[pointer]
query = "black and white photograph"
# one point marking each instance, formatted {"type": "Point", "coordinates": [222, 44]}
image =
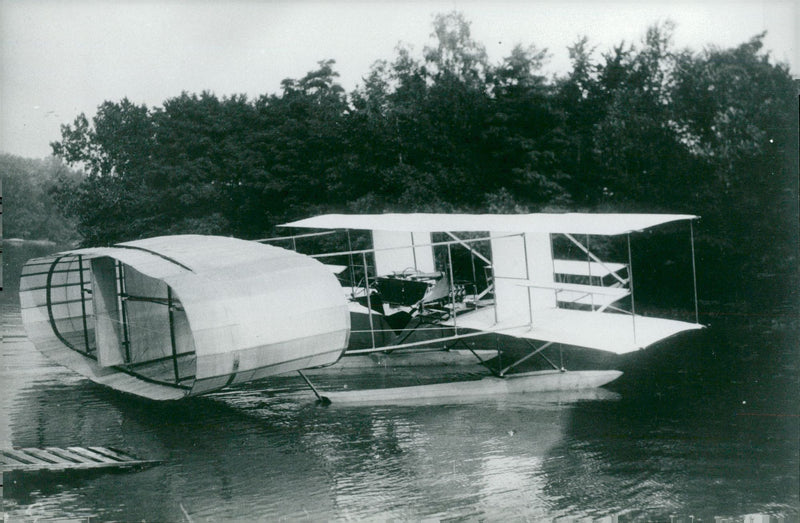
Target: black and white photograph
{"type": "Point", "coordinates": [342, 260]}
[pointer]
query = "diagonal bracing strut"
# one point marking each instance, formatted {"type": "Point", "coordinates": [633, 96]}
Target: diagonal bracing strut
{"type": "Point", "coordinates": [322, 400]}
{"type": "Point", "coordinates": [595, 258]}
{"type": "Point", "coordinates": [528, 356]}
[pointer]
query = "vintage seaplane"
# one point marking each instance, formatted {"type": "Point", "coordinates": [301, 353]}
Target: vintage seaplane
{"type": "Point", "coordinates": [179, 316]}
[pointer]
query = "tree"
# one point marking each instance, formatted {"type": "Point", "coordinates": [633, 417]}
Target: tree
{"type": "Point", "coordinates": [30, 211]}
{"type": "Point", "coordinates": [636, 141]}
{"type": "Point", "coordinates": [525, 132]}
{"type": "Point", "coordinates": [737, 113]}
{"type": "Point", "coordinates": [577, 98]}
{"type": "Point", "coordinates": [454, 54]}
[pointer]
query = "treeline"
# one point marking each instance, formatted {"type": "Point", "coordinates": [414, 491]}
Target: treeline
{"type": "Point", "coordinates": [637, 128]}
{"type": "Point", "coordinates": [29, 210]}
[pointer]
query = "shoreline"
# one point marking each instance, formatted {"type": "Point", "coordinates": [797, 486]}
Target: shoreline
{"type": "Point", "coordinates": [23, 241]}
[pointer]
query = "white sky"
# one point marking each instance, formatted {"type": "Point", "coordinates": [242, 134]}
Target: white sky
{"type": "Point", "coordinates": [61, 58]}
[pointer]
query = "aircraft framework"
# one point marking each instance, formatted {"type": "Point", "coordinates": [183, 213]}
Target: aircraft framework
{"type": "Point", "coordinates": [183, 315]}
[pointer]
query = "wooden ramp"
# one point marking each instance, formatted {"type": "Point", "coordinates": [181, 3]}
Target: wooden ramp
{"type": "Point", "coordinates": [69, 458]}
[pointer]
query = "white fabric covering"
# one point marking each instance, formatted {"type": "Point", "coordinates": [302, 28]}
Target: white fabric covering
{"type": "Point", "coordinates": [574, 223]}
{"type": "Point", "coordinates": [594, 330]}
{"type": "Point", "coordinates": [583, 268]}
{"type": "Point", "coordinates": [397, 251]}
{"type": "Point", "coordinates": [252, 309]}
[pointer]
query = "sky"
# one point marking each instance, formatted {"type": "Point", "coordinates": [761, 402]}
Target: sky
{"type": "Point", "coordinates": [62, 58]}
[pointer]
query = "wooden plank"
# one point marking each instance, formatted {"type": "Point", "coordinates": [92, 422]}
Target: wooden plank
{"type": "Point", "coordinates": [53, 458]}
{"type": "Point", "coordinates": [47, 456]}
{"type": "Point", "coordinates": [92, 455]}
{"type": "Point", "coordinates": [17, 456]}
{"type": "Point", "coordinates": [112, 453]}
{"type": "Point", "coordinates": [64, 453]}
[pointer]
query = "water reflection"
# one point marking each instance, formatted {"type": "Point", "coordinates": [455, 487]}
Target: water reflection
{"type": "Point", "coordinates": [253, 454]}
{"type": "Point", "coordinates": [661, 458]}
{"type": "Point", "coordinates": [216, 460]}
{"type": "Point", "coordinates": [249, 454]}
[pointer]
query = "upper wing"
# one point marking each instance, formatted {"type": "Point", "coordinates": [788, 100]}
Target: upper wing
{"type": "Point", "coordinates": [575, 223]}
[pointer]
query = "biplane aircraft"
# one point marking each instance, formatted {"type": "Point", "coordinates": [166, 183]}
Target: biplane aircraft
{"type": "Point", "coordinates": [177, 316]}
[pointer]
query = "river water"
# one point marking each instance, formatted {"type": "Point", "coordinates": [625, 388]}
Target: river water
{"type": "Point", "coordinates": [702, 427]}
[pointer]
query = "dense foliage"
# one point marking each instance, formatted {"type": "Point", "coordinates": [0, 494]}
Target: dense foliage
{"type": "Point", "coordinates": [29, 210]}
{"type": "Point", "coordinates": [638, 128]}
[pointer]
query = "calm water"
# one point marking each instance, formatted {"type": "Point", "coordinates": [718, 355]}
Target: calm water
{"type": "Point", "coordinates": [704, 427]}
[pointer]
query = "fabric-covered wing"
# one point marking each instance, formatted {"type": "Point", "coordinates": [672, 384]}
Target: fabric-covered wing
{"type": "Point", "coordinates": [617, 333]}
{"type": "Point", "coordinates": [574, 223]}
